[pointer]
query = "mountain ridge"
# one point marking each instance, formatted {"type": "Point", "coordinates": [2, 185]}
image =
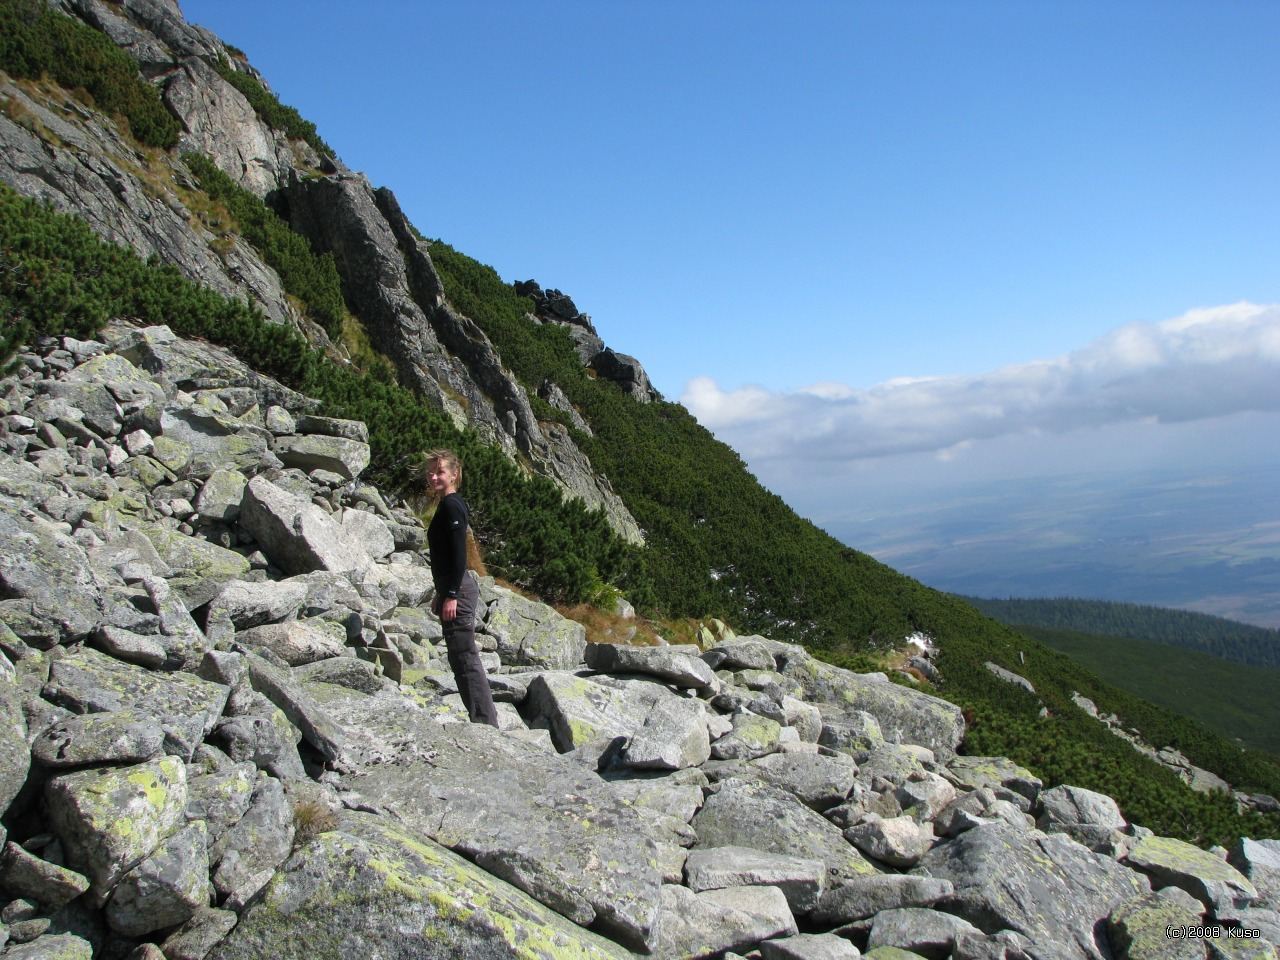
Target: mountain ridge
{"type": "Point", "coordinates": [1218, 636]}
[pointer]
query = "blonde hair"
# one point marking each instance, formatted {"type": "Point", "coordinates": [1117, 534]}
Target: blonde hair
{"type": "Point", "coordinates": [446, 457]}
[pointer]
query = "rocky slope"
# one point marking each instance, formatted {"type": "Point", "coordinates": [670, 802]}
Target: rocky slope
{"type": "Point", "coordinates": [53, 146]}
{"type": "Point", "coordinates": [227, 730]}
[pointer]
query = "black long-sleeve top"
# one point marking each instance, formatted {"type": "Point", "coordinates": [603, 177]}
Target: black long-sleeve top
{"type": "Point", "coordinates": [447, 541]}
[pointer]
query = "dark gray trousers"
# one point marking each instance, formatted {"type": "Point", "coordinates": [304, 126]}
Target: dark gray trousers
{"type": "Point", "coordinates": [464, 656]}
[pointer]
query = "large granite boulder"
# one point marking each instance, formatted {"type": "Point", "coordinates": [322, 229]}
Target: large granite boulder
{"type": "Point", "coordinates": [741, 814]}
{"type": "Point", "coordinates": [1044, 886]}
{"type": "Point", "coordinates": [541, 823]}
{"type": "Point", "coordinates": [904, 715]}
{"type": "Point", "coordinates": [372, 888]}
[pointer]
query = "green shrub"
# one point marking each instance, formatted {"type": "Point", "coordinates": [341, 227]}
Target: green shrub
{"type": "Point", "coordinates": [309, 276]}
{"type": "Point", "coordinates": [36, 40]}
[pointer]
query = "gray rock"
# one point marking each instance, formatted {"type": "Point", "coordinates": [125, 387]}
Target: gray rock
{"type": "Point", "coordinates": [580, 710]}
{"type": "Point", "coordinates": [801, 881]}
{"type": "Point", "coordinates": [892, 763]}
{"type": "Point", "coordinates": [247, 855]}
{"type": "Point", "coordinates": [221, 797]}
{"type": "Point", "coordinates": [52, 571]}
{"type": "Point", "coordinates": [904, 715]}
{"type": "Point", "coordinates": [122, 644]}
{"type": "Point", "coordinates": [387, 891]}
{"type": "Point", "coordinates": [166, 889]}
{"type": "Point", "coordinates": [15, 757]}
{"type": "Point", "coordinates": [810, 946]}
{"type": "Point", "coordinates": [349, 672]}
{"type": "Point", "coordinates": [1138, 928]}
{"type": "Point", "coordinates": [745, 653]}
{"type": "Point", "coordinates": [1045, 886]}
{"type": "Point", "coordinates": [819, 782]}
{"type": "Point", "coordinates": [672, 737]}
{"type": "Point", "coordinates": [308, 452]}
{"type": "Point", "coordinates": [625, 371]}
{"type": "Point", "coordinates": [858, 898]}
{"type": "Point", "coordinates": [924, 796]}
{"type": "Point", "coordinates": [1008, 676]}
{"type": "Point", "coordinates": [897, 841]}
{"type": "Point", "coordinates": [1211, 880]}
{"type": "Point", "coordinates": [221, 495]}
{"type": "Point", "coordinates": [928, 933]}
{"type": "Point", "coordinates": [248, 604]}
{"type": "Point", "coordinates": [298, 642]}
{"type": "Point", "coordinates": [299, 537]}
{"type": "Point", "coordinates": [680, 670]}
{"type": "Point", "coordinates": [264, 737]}
{"type": "Point", "coordinates": [198, 936]}
{"type": "Point", "coordinates": [199, 568]}
{"type": "Point", "coordinates": [49, 884]}
{"type": "Point", "coordinates": [806, 718]}
{"type": "Point", "coordinates": [60, 946]}
{"type": "Point", "coordinates": [1090, 818]}
{"type": "Point", "coordinates": [532, 634]}
{"type": "Point", "coordinates": [129, 546]}
{"type": "Point", "coordinates": [540, 822]}
{"type": "Point", "coordinates": [279, 686]}
{"type": "Point", "coordinates": [185, 707]}
{"type": "Point", "coordinates": [995, 773]}
{"type": "Point", "coordinates": [856, 733]}
{"type": "Point", "coordinates": [1259, 860]}
{"type": "Point", "coordinates": [371, 533]}
{"type": "Point", "coordinates": [210, 441]}
{"type": "Point", "coordinates": [86, 810]}
{"type": "Point", "coordinates": [94, 738]}
{"type": "Point", "coordinates": [751, 815]}
{"type": "Point", "coordinates": [695, 925]}
{"type": "Point", "coordinates": [752, 736]}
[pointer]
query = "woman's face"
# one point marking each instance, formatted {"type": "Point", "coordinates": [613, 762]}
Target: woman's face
{"type": "Point", "coordinates": [441, 479]}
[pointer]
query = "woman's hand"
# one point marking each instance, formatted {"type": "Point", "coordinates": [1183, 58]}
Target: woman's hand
{"type": "Point", "coordinates": [449, 609]}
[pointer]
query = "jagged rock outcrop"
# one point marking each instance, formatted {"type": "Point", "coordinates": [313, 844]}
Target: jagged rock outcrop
{"type": "Point", "coordinates": [53, 146]}
{"type": "Point", "coordinates": [231, 732]}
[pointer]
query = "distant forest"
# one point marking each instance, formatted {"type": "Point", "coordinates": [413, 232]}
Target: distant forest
{"type": "Point", "coordinates": [1216, 636]}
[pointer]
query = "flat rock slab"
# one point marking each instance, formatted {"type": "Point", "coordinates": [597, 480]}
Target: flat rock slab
{"type": "Point", "coordinates": [542, 823]}
{"type": "Point", "coordinates": [764, 818]}
{"type": "Point", "coordinates": [582, 710]}
{"type": "Point", "coordinates": [696, 925]}
{"type": "Point", "coordinates": [371, 889]}
{"type": "Point", "coordinates": [678, 669]}
{"type": "Point", "coordinates": [801, 881]}
{"type": "Point", "coordinates": [1046, 887]}
{"type": "Point", "coordinates": [1208, 878]}
{"type": "Point", "coordinates": [905, 715]}
{"type": "Point", "coordinates": [185, 707]}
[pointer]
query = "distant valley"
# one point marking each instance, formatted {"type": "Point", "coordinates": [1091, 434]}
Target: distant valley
{"type": "Point", "coordinates": [1209, 544]}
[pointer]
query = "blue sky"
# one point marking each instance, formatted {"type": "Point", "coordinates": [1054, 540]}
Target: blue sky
{"type": "Point", "coordinates": [891, 252]}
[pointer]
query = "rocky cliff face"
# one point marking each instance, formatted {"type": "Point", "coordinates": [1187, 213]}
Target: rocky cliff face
{"type": "Point", "coordinates": [228, 729]}
{"type": "Point", "coordinates": [53, 146]}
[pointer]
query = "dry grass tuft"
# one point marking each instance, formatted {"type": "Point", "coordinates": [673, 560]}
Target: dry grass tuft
{"type": "Point", "coordinates": [310, 819]}
{"type": "Point", "coordinates": [605, 626]}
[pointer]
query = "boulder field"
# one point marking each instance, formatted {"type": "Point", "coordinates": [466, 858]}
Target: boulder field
{"type": "Point", "coordinates": [228, 730]}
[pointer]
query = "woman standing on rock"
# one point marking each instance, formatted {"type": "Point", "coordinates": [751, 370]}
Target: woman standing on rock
{"type": "Point", "coordinates": [456, 594]}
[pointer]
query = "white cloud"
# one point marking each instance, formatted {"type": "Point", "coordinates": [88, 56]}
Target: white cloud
{"type": "Point", "coordinates": [1207, 363]}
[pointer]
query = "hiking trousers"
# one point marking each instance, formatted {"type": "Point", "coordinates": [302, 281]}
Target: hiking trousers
{"type": "Point", "coordinates": [464, 656]}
